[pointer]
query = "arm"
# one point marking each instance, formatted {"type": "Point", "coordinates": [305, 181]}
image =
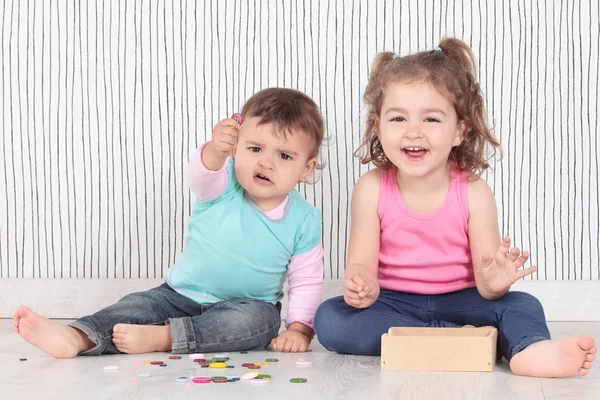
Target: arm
{"type": "Point", "coordinates": [206, 184]}
{"type": "Point", "coordinates": [361, 287]}
{"type": "Point", "coordinates": [493, 276]}
{"type": "Point", "coordinates": [207, 176]}
{"type": "Point", "coordinates": [305, 280]}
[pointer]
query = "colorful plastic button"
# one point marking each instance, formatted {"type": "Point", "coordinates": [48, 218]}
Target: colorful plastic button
{"type": "Point", "coordinates": [201, 379]}
{"type": "Point", "coordinates": [238, 117]}
{"type": "Point", "coordinates": [248, 375]}
{"type": "Point", "coordinates": [156, 362]}
{"type": "Point", "coordinates": [144, 375]}
{"type": "Point", "coordinates": [271, 360]}
{"type": "Point", "coordinates": [111, 368]}
{"type": "Point", "coordinates": [181, 379]}
{"type": "Point", "coordinates": [174, 358]}
{"type": "Point", "coordinates": [195, 355]}
{"type": "Point", "coordinates": [217, 365]}
{"type": "Point", "coordinates": [298, 380]}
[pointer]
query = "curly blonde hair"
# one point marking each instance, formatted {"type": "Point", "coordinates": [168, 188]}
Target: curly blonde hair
{"type": "Point", "coordinates": [451, 70]}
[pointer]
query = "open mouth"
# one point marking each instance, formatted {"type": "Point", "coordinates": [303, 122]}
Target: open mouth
{"type": "Point", "coordinates": [262, 178]}
{"type": "Point", "coordinates": [415, 153]}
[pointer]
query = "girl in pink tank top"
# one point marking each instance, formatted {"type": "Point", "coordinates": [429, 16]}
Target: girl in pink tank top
{"type": "Point", "coordinates": [425, 248]}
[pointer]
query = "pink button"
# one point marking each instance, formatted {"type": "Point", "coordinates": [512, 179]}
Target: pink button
{"type": "Point", "coordinates": [238, 118]}
{"type": "Point", "coordinates": [201, 379]}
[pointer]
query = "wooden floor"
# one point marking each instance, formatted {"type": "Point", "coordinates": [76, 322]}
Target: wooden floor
{"type": "Point", "coordinates": [331, 376]}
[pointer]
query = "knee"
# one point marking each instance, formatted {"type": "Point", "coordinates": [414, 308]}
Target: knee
{"type": "Point", "coordinates": [331, 322]}
{"type": "Point", "coordinates": [523, 301]}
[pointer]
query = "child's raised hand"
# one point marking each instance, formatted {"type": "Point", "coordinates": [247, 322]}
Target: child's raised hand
{"type": "Point", "coordinates": [291, 341]}
{"type": "Point", "coordinates": [360, 291]}
{"type": "Point", "coordinates": [504, 269]}
{"type": "Point", "coordinates": [224, 136]}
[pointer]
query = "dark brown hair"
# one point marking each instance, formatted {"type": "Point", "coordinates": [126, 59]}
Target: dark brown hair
{"type": "Point", "coordinates": [290, 110]}
{"type": "Point", "coordinates": [451, 70]}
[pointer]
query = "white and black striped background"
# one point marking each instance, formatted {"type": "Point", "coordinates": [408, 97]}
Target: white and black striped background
{"type": "Point", "coordinates": [103, 102]}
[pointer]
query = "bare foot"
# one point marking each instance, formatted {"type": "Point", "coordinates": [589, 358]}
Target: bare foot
{"type": "Point", "coordinates": [53, 338]}
{"type": "Point", "coordinates": [564, 358]}
{"type": "Point", "coordinates": [136, 339]}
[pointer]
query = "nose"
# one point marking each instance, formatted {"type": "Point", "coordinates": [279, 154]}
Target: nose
{"type": "Point", "coordinates": [265, 162]}
{"type": "Point", "coordinates": [413, 131]}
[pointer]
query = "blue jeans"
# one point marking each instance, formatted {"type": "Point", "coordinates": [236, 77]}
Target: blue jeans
{"type": "Point", "coordinates": [234, 325]}
{"type": "Point", "coordinates": [518, 316]}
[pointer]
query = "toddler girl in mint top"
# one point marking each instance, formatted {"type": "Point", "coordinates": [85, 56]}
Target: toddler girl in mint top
{"type": "Point", "coordinates": [249, 231]}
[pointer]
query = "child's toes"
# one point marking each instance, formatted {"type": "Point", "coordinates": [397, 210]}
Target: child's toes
{"type": "Point", "coordinates": [587, 365]}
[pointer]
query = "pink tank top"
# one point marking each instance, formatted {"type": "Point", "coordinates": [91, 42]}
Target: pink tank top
{"type": "Point", "coordinates": [424, 253]}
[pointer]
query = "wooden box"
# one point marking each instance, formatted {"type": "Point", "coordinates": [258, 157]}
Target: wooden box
{"type": "Point", "coordinates": [439, 349]}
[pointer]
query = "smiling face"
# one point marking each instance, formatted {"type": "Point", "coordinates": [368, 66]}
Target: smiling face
{"type": "Point", "coordinates": [417, 128]}
{"type": "Point", "coordinates": [269, 164]}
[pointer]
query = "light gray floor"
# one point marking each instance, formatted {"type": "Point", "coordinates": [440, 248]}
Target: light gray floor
{"type": "Point", "coordinates": [331, 376]}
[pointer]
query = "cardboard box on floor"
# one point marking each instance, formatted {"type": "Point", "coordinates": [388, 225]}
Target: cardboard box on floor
{"type": "Point", "coordinates": [439, 349]}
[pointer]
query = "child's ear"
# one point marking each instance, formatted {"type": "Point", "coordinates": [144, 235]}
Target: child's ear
{"type": "Point", "coordinates": [310, 167]}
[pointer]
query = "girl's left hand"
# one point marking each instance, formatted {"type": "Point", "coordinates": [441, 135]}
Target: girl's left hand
{"type": "Point", "coordinates": [291, 341]}
{"type": "Point", "coordinates": [500, 272]}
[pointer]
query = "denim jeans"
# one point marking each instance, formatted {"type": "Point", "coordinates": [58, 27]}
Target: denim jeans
{"type": "Point", "coordinates": [234, 325]}
{"type": "Point", "coordinates": [518, 316]}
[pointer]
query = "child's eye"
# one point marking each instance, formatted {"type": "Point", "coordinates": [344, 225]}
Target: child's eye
{"type": "Point", "coordinates": [254, 149]}
{"type": "Point", "coordinates": [398, 119]}
{"type": "Point", "coordinates": [285, 157]}
{"type": "Point", "coordinates": [430, 119]}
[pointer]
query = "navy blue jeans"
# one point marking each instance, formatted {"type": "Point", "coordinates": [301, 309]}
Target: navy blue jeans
{"type": "Point", "coordinates": [344, 329]}
{"type": "Point", "coordinates": [234, 325]}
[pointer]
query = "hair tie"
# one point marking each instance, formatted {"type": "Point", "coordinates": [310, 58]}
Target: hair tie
{"type": "Point", "coordinates": [438, 49]}
{"type": "Point", "coordinates": [395, 56]}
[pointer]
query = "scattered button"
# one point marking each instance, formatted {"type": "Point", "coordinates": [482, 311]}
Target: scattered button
{"type": "Point", "coordinates": [201, 379]}
{"type": "Point", "coordinates": [249, 375]}
{"type": "Point", "coordinates": [298, 380]}
{"type": "Point", "coordinates": [181, 379]}
{"type": "Point", "coordinates": [144, 375]}
{"type": "Point", "coordinates": [111, 368]}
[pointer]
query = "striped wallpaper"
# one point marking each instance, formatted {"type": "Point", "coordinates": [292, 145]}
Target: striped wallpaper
{"type": "Point", "coordinates": [103, 102]}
